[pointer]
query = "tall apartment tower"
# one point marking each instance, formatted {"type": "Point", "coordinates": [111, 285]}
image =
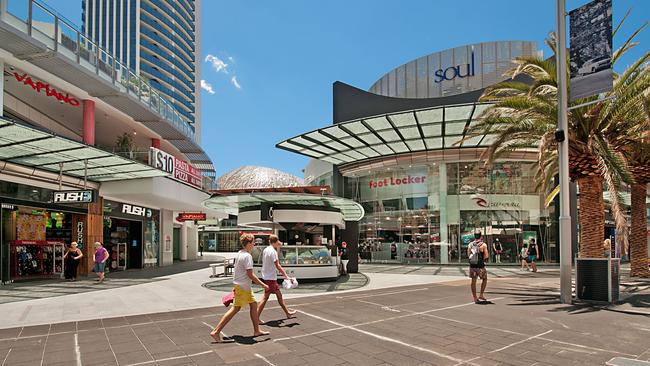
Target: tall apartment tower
{"type": "Point", "coordinates": [159, 40]}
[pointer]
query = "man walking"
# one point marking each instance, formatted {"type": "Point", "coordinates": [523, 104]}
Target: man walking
{"type": "Point", "coordinates": [533, 254]}
{"type": "Point", "coordinates": [270, 268]}
{"type": "Point", "coordinates": [477, 252]}
{"type": "Point", "coordinates": [243, 278]}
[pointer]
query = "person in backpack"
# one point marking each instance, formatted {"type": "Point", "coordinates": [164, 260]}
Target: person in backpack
{"type": "Point", "coordinates": [498, 249]}
{"type": "Point", "coordinates": [477, 252]}
{"type": "Point", "coordinates": [533, 254]}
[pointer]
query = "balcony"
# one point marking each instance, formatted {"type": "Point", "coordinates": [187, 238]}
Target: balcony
{"type": "Point", "coordinates": [35, 33]}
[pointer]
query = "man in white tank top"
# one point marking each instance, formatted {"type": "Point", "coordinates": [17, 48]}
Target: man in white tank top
{"type": "Point", "coordinates": [270, 268]}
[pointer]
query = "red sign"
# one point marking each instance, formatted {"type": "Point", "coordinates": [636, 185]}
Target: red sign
{"type": "Point", "coordinates": [393, 181]}
{"type": "Point", "coordinates": [187, 173]}
{"type": "Point", "coordinates": [40, 86]}
{"type": "Point", "coordinates": [191, 216]}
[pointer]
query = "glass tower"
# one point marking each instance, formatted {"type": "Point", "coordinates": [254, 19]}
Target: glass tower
{"type": "Point", "coordinates": [158, 39]}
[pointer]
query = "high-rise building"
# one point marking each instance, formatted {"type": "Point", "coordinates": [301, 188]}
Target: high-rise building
{"type": "Point", "coordinates": [158, 39]}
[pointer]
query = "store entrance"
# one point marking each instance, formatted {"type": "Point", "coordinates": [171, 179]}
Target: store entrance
{"type": "Point", "coordinates": [177, 243]}
{"type": "Point", "coordinates": [123, 240]}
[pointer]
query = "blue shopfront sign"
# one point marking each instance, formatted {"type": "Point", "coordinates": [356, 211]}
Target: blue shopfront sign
{"type": "Point", "coordinates": [458, 71]}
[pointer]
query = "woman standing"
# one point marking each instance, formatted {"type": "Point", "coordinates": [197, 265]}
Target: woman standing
{"type": "Point", "coordinates": [72, 257]}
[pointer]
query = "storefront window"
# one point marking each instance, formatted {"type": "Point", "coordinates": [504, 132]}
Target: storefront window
{"type": "Point", "coordinates": [428, 213]}
{"type": "Point", "coordinates": [131, 235]}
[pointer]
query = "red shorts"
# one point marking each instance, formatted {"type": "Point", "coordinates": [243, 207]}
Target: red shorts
{"type": "Point", "coordinates": [273, 286]}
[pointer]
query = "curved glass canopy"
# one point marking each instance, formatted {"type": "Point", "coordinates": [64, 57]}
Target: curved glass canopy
{"type": "Point", "coordinates": [351, 210]}
{"type": "Point", "coordinates": [390, 134]}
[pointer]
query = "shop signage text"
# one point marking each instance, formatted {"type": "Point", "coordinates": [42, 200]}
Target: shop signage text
{"type": "Point", "coordinates": [80, 233]}
{"type": "Point", "coordinates": [40, 86]}
{"type": "Point", "coordinates": [179, 170]}
{"type": "Point", "coordinates": [452, 72]}
{"type": "Point", "coordinates": [393, 181]}
{"type": "Point", "coordinates": [86, 196]}
{"type": "Point", "coordinates": [135, 210]}
{"type": "Point", "coordinates": [191, 216]}
{"type": "Point", "coordinates": [481, 202]}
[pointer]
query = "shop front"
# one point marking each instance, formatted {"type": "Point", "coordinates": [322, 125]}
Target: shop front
{"type": "Point", "coordinates": [427, 213]}
{"type": "Point", "coordinates": [131, 235]}
{"type": "Point", "coordinates": [35, 232]}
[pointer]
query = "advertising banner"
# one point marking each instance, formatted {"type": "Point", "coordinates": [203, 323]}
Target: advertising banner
{"type": "Point", "coordinates": [179, 170]}
{"type": "Point", "coordinates": [590, 37]}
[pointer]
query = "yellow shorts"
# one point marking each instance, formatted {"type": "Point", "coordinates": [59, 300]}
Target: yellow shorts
{"type": "Point", "coordinates": [243, 297]}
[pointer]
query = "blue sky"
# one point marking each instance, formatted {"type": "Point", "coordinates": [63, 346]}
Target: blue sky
{"type": "Point", "coordinates": [285, 55]}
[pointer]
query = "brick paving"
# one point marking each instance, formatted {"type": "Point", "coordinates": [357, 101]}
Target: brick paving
{"type": "Point", "coordinates": [431, 324]}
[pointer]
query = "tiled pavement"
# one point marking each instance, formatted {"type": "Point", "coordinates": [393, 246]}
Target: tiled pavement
{"type": "Point", "coordinates": [349, 282]}
{"type": "Point", "coordinates": [430, 324]}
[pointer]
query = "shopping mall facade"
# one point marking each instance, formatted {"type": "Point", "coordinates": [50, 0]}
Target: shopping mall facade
{"type": "Point", "coordinates": [400, 150]}
{"type": "Point", "coordinates": [88, 152]}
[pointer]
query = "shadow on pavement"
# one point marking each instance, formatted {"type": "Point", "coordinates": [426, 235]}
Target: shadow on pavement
{"type": "Point", "coordinates": [248, 340]}
{"type": "Point", "coordinates": [280, 323]}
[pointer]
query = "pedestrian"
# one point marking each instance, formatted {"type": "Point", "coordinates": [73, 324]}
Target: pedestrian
{"type": "Point", "coordinates": [477, 252]}
{"type": "Point", "coordinates": [533, 254]}
{"type": "Point", "coordinates": [344, 258]}
{"type": "Point", "coordinates": [101, 256]}
{"type": "Point", "coordinates": [243, 279]}
{"type": "Point", "coordinates": [201, 249]}
{"type": "Point", "coordinates": [523, 257]}
{"type": "Point", "coordinates": [607, 247]}
{"type": "Point", "coordinates": [498, 249]}
{"type": "Point", "coordinates": [72, 257]}
{"type": "Point", "coordinates": [270, 268]}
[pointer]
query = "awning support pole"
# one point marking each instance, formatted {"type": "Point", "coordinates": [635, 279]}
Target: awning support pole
{"type": "Point", "coordinates": [85, 172]}
{"type": "Point", "coordinates": [60, 174]}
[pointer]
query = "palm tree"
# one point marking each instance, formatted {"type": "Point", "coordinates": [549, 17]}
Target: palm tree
{"type": "Point", "coordinates": [524, 115]}
{"type": "Point", "coordinates": [639, 157]}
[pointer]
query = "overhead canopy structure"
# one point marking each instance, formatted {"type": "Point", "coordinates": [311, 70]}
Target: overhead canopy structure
{"type": "Point", "coordinates": [435, 128]}
{"type": "Point", "coordinates": [31, 147]}
{"type": "Point", "coordinates": [232, 203]}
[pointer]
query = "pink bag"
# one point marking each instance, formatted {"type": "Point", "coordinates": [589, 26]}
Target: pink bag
{"type": "Point", "coordinates": [228, 298]}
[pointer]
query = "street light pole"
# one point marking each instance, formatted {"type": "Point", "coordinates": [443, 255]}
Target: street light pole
{"type": "Point", "coordinates": [563, 153]}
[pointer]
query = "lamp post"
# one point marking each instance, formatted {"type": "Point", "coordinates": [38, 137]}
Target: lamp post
{"type": "Point", "coordinates": [563, 153]}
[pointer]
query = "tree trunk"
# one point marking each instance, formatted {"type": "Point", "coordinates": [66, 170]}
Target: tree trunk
{"type": "Point", "coordinates": [638, 238]}
{"type": "Point", "coordinates": [592, 216]}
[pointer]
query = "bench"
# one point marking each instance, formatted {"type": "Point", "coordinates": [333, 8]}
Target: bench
{"type": "Point", "coordinates": [228, 267]}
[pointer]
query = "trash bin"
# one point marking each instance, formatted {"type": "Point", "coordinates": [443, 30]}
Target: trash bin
{"type": "Point", "coordinates": [597, 279]}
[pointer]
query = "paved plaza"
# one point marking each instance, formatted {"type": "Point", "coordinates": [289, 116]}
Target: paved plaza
{"type": "Point", "coordinates": [432, 323]}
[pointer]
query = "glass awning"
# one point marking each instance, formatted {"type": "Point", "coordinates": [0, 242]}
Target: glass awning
{"type": "Point", "coordinates": [31, 147]}
{"type": "Point", "coordinates": [435, 128]}
{"type": "Point", "coordinates": [351, 210]}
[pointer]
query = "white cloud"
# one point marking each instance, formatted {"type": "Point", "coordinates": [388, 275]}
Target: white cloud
{"type": "Point", "coordinates": [207, 86]}
{"type": "Point", "coordinates": [232, 60]}
{"type": "Point", "coordinates": [217, 63]}
{"type": "Point", "coordinates": [234, 82]}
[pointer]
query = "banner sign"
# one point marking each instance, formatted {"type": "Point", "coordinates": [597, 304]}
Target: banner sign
{"type": "Point", "coordinates": [191, 216]}
{"type": "Point", "coordinates": [85, 196]}
{"type": "Point", "coordinates": [590, 37]}
{"type": "Point", "coordinates": [179, 170]}
{"type": "Point", "coordinates": [47, 89]}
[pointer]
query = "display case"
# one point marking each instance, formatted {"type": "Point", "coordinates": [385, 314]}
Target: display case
{"type": "Point", "coordinates": [301, 261]}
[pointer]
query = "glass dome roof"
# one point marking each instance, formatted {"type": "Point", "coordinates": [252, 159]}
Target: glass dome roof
{"type": "Point", "coordinates": [247, 177]}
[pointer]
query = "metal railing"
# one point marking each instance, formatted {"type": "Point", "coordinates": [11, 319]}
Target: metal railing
{"type": "Point", "coordinates": [44, 24]}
